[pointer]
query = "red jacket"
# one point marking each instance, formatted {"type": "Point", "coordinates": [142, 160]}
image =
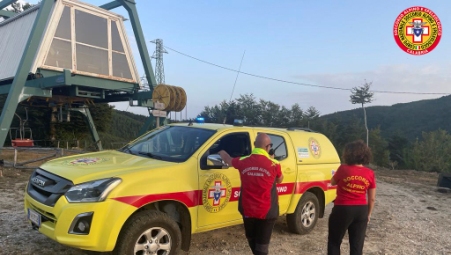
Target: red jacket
{"type": "Point", "coordinates": [258, 196]}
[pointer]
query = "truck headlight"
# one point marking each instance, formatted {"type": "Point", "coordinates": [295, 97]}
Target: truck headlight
{"type": "Point", "coordinates": [95, 191]}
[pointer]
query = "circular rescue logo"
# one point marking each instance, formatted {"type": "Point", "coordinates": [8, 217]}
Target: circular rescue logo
{"type": "Point", "coordinates": [216, 192]}
{"type": "Point", "coordinates": [417, 30]}
{"type": "Point", "coordinates": [85, 161]}
{"type": "Point", "coordinates": [314, 147]}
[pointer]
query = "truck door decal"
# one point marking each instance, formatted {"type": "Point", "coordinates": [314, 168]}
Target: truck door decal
{"type": "Point", "coordinates": [216, 192]}
{"type": "Point", "coordinates": [315, 148]}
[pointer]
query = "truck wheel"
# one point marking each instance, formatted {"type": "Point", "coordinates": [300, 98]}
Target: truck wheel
{"type": "Point", "coordinates": [149, 232]}
{"type": "Point", "coordinates": [304, 218]}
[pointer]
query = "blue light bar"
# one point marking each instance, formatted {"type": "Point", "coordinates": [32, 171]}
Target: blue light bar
{"type": "Point", "coordinates": [200, 120]}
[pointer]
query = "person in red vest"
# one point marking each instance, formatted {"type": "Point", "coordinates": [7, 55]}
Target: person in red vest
{"type": "Point", "coordinates": [352, 210]}
{"type": "Point", "coordinates": [258, 202]}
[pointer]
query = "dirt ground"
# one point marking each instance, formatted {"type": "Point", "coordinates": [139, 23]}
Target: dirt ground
{"type": "Point", "coordinates": [410, 217]}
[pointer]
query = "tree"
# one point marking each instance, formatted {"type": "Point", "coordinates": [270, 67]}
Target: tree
{"type": "Point", "coordinates": [398, 146]}
{"type": "Point", "coordinates": [268, 116]}
{"type": "Point", "coordinates": [431, 154]}
{"type": "Point", "coordinates": [379, 148]}
{"type": "Point", "coordinates": [311, 114]}
{"type": "Point", "coordinates": [297, 116]}
{"type": "Point", "coordinates": [249, 109]}
{"type": "Point", "coordinates": [362, 95]}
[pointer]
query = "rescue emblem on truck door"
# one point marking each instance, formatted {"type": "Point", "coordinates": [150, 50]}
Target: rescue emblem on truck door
{"type": "Point", "coordinates": [314, 147]}
{"type": "Point", "coordinates": [216, 192]}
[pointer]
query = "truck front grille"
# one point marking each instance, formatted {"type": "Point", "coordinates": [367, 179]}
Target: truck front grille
{"type": "Point", "coordinates": [47, 188]}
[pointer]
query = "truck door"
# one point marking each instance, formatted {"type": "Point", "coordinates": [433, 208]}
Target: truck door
{"type": "Point", "coordinates": [220, 186]}
{"type": "Point", "coordinates": [284, 154]}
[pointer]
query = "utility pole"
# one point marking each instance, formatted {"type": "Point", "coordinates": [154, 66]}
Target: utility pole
{"type": "Point", "coordinates": [158, 56]}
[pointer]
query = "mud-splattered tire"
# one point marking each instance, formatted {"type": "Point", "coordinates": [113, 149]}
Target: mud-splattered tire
{"type": "Point", "coordinates": [305, 217]}
{"type": "Point", "coordinates": [153, 232]}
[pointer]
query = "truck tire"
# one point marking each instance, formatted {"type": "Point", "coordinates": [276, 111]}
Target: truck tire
{"type": "Point", "coordinates": [149, 232]}
{"type": "Point", "coordinates": [304, 218]}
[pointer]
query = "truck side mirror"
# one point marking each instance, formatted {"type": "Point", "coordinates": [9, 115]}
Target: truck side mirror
{"type": "Point", "coordinates": [215, 161]}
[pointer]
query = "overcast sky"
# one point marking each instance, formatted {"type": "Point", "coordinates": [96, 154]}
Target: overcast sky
{"type": "Point", "coordinates": [330, 43]}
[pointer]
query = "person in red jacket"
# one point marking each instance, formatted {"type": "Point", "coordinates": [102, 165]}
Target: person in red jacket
{"type": "Point", "coordinates": [352, 210]}
{"type": "Point", "coordinates": [258, 202]}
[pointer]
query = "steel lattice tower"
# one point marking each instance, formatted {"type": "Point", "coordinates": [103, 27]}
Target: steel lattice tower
{"type": "Point", "coordinates": [158, 56]}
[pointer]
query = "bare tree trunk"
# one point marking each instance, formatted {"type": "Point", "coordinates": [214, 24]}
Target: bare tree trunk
{"type": "Point", "coordinates": [366, 126]}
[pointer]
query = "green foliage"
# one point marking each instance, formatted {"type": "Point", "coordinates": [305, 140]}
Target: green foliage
{"type": "Point", "coordinates": [125, 126]}
{"type": "Point", "coordinates": [410, 119]}
{"type": "Point", "coordinates": [259, 113]}
{"type": "Point", "coordinates": [340, 131]}
{"type": "Point", "coordinates": [362, 95]}
{"type": "Point", "coordinates": [77, 128]}
{"type": "Point", "coordinates": [379, 148]}
{"type": "Point", "coordinates": [398, 147]}
{"type": "Point", "coordinates": [431, 154]}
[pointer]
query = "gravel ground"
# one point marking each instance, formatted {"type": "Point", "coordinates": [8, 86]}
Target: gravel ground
{"type": "Point", "coordinates": [410, 217]}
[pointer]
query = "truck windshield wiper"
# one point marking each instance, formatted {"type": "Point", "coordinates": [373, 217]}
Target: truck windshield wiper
{"type": "Point", "coordinates": [150, 155]}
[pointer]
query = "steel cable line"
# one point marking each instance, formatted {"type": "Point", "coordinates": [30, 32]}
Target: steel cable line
{"type": "Point", "coordinates": [301, 83]}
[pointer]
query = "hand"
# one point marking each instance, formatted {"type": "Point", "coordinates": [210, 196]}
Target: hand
{"type": "Point", "coordinates": [222, 153]}
{"type": "Point", "coordinates": [369, 217]}
{"type": "Point", "coordinates": [225, 157]}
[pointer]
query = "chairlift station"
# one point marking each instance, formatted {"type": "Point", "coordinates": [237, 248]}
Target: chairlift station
{"type": "Point", "coordinates": [75, 54]}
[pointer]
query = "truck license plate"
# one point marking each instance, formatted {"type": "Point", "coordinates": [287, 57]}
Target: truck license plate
{"type": "Point", "coordinates": [34, 217]}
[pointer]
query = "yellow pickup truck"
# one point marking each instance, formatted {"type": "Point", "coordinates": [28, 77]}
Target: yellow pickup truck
{"type": "Point", "coordinates": [150, 196]}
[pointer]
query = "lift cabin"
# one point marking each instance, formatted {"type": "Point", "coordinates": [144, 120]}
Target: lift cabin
{"type": "Point", "coordinates": [69, 53]}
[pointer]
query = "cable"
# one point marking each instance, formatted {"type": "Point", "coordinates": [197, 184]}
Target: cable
{"type": "Point", "coordinates": [239, 69]}
{"type": "Point", "coordinates": [301, 83]}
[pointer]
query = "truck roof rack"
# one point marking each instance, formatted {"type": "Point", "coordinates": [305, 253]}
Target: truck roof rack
{"type": "Point", "coordinates": [300, 128]}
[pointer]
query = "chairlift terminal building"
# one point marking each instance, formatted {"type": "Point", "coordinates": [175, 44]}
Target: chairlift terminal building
{"type": "Point", "coordinates": [73, 53]}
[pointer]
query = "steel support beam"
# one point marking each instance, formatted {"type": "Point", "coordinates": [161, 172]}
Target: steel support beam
{"type": "Point", "coordinates": [6, 14]}
{"type": "Point", "coordinates": [68, 79]}
{"type": "Point", "coordinates": [92, 127]}
{"type": "Point", "coordinates": [150, 122]}
{"type": "Point", "coordinates": [5, 3]}
{"type": "Point", "coordinates": [130, 6]}
{"type": "Point", "coordinates": [111, 5]}
{"type": "Point", "coordinates": [16, 91]}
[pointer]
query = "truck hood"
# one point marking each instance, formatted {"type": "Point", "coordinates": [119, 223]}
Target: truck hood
{"type": "Point", "coordinates": [98, 165]}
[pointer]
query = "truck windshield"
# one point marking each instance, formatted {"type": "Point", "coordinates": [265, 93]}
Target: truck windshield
{"type": "Point", "coordinates": [170, 143]}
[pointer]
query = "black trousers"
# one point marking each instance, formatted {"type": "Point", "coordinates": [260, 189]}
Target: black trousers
{"type": "Point", "coordinates": [354, 219]}
{"type": "Point", "coordinates": [258, 234]}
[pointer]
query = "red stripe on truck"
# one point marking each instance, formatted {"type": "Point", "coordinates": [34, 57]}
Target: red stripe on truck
{"type": "Point", "coordinates": [189, 198]}
{"type": "Point", "coordinates": [194, 197]}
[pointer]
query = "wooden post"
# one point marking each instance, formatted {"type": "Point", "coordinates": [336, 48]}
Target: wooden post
{"type": "Point", "coordinates": [15, 157]}
{"type": "Point", "coordinates": [1, 167]}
